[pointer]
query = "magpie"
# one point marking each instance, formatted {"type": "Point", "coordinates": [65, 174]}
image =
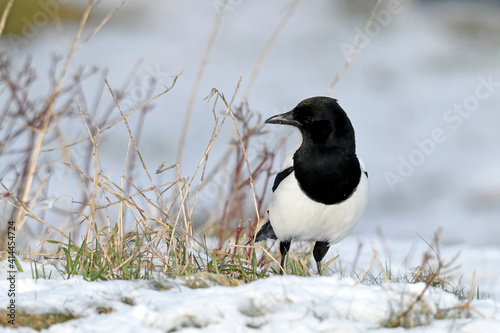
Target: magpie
{"type": "Point", "coordinates": [322, 190]}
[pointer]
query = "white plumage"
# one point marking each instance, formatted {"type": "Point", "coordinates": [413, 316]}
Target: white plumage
{"type": "Point", "coordinates": [294, 216]}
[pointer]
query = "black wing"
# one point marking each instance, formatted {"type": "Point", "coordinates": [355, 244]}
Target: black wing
{"type": "Point", "coordinates": [265, 232]}
{"type": "Point", "coordinates": [280, 176]}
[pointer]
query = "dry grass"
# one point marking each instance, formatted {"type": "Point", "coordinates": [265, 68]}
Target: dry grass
{"type": "Point", "coordinates": [5, 14]}
{"type": "Point", "coordinates": [434, 272]}
{"type": "Point", "coordinates": [144, 230]}
{"type": "Point", "coordinates": [124, 228]}
{"type": "Point", "coordinates": [117, 228]}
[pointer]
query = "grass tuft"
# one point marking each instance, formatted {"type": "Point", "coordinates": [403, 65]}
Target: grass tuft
{"type": "Point", "coordinates": [415, 310]}
{"type": "Point", "coordinates": [104, 310]}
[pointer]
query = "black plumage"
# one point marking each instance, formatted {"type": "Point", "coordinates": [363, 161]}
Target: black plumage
{"type": "Point", "coordinates": [322, 194]}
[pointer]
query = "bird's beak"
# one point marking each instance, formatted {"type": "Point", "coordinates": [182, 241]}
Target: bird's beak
{"type": "Point", "coordinates": [284, 119]}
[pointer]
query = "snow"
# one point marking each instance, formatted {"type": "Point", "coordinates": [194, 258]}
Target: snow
{"type": "Point", "coordinates": [298, 304]}
{"type": "Point", "coordinates": [395, 92]}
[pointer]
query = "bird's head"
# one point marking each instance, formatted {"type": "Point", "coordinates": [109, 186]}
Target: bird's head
{"type": "Point", "coordinates": [321, 120]}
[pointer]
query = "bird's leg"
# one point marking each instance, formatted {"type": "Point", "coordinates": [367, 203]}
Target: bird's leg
{"type": "Point", "coordinates": [319, 252]}
{"type": "Point", "coordinates": [284, 247]}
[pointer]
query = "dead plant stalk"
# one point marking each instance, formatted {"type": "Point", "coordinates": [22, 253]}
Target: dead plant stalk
{"type": "Point", "coordinates": [42, 131]}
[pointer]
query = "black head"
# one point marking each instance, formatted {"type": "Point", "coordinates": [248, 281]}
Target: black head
{"type": "Point", "coordinates": [322, 121]}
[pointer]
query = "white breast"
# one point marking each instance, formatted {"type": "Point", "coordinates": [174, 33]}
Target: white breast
{"type": "Point", "coordinates": [294, 216]}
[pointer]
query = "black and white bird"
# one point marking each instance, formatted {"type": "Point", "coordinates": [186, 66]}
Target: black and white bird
{"type": "Point", "coordinates": [322, 190]}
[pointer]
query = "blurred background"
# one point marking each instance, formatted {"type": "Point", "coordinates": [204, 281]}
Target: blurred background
{"type": "Point", "coordinates": [423, 93]}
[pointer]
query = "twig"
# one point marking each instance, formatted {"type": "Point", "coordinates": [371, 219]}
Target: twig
{"type": "Point", "coordinates": [246, 158]}
{"type": "Point", "coordinates": [5, 14]}
{"type": "Point", "coordinates": [354, 51]}
{"type": "Point", "coordinates": [428, 283]}
{"type": "Point", "coordinates": [95, 180]}
{"type": "Point", "coordinates": [199, 76]}
{"type": "Point", "coordinates": [48, 112]}
{"type": "Point", "coordinates": [100, 25]}
{"type": "Point", "coordinates": [133, 141]}
{"type": "Point", "coordinates": [167, 89]}
{"type": "Point", "coordinates": [268, 46]}
{"type": "Point", "coordinates": [21, 206]}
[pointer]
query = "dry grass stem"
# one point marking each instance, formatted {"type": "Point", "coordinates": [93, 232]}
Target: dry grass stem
{"type": "Point", "coordinates": [268, 46]}
{"type": "Point", "coordinates": [100, 25]}
{"type": "Point", "coordinates": [5, 14]}
{"type": "Point", "coordinates": [355, 50]}
{"type": "Point", "coordinates": [196, 86]}
{"type": "Point", "coordinates": [44, 127]}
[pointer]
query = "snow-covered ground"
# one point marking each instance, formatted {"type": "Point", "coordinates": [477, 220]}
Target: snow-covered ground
{"type": "Point", "coordinates": [291, 303]}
